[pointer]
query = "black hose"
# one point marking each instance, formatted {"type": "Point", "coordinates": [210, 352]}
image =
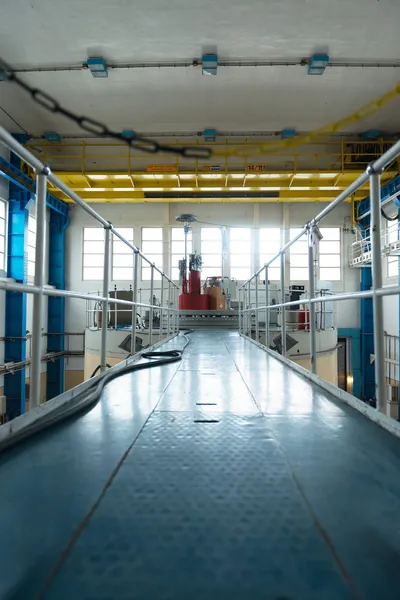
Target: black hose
{"type": "Point", "coordinates": [90, 396]}
{"type": "Point", "coordinates": [97, 369]}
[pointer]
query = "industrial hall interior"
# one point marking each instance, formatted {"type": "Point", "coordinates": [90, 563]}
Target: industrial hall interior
{"type": "Point", "coordinates": [199, 300]}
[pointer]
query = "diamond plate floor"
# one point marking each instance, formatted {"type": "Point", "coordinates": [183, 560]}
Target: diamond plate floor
{"type": "Point", "coordinates": [227, 476]}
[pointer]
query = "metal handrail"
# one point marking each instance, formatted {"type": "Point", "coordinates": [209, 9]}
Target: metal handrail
{"type": "Point", "coordinates": [371, 174]}
{"type": "Point", "coordinates": [43, 176]}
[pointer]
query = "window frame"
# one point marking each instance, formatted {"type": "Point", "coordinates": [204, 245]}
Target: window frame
{"type": "Point", "coordinates": [144, 265]}
{"type": "Point", "coordinates": [232, 254]}
{"type": "Point", "coordinates": [218, 270]}
{"type": "Point", "coordinates": [262, 259]}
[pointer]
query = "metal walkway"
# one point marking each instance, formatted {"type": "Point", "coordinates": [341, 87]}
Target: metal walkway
{"type": "Point", "coordinates": [226, 476]}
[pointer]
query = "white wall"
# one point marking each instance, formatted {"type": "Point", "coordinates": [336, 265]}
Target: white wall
{"type": "Point", "coordinates": [159, 214]}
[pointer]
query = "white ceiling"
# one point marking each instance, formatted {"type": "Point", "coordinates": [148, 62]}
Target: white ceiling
{"type": "Point", "coordinates": [59, 32]}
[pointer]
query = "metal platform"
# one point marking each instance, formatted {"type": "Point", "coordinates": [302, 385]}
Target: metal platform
{"type": "Point", "coordinates": [226, 476]}
{"type": "Point", "coordinates": [201, 319]}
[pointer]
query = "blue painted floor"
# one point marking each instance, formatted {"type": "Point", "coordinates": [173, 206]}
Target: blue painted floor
{"type": "Point", "coordinates": [226, 476]}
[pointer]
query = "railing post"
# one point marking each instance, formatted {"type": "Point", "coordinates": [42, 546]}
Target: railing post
{"type": "Point", "coordinates": [134, 298]}
{"type": "Point", "coordinates": [161, 308]}
{"type": "Point", "coordinates": [377, 301]}
{"type": "Point", "coordinates": [38, 299]}
{"type": "Point", "coordinates": [266, 309]}
{"type": "Point", "coordinates": [177, 309]}
{"type": "Point", "coordinates": [151, 310]}
{"type": "Point", "coordinates": [239, 311]}
{"type": "Point", "coordinates": [311, 294]}
{"type": "Point", "coordinates": [283, 316]}
{"type": "Point", "coordinates": [169, 309]}
{"type": "Point", "coordinates": [248, 311]}
{"type": "Point", "coordinates": [257, 327]}
{"type": "Point", "coordinates": [106, 291]}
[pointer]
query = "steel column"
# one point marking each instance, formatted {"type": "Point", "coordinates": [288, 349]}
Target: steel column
{"type": "Point", "coordinates": [169, 309]}
{"type": "Point", "coordinates": [134, 298]}
{"type": "Point", "coordinates": [161, 309]}
{"type": "Point", "coordinates": [106, 291]}
{"type": "Point", "coordinates": [377, 301]}
{"type": "Point", "coordinates": [266, 309]}
{"type": "Point", "coordinates": [151, 310]}
{"type": "Point", "coordinates": [56, 305]}
{"type": "Point", "coordinates": [257, 327]}
{"type": "Point", "coordinates": [283, 316]}
{"type": "Point", "coordinates": [239, 310]}
{"type": "Point", "coordinates": [38, 299]}
{"type": "Point", "coordinates": [311, 294]}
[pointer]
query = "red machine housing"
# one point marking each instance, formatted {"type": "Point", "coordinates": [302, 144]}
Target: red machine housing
{"type": "Point", "coordinates": [193, 299]}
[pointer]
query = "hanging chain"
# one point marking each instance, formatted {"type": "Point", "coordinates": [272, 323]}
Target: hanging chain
{"type": "Point", "coordinates": [137, 142]}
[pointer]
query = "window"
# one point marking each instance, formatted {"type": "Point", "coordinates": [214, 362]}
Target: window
{"type": "Point", "coordinates": [93, 253]}
{"type": "Point", "coordinates": [270, 243]}
{"type": "Point", "coordinates": [392, 236]}
{"type": "Point", "coordinates": [298, 257]}
{"type": "Point", "coordinates": [122, 256]}
{"type": "Point", "coordinates": [31, 245]}
{"type": "Point", "coordinates": [152, 248]}
{"type": "Point", "coordinates": [240, 253]}
{"type": "Point", "coordinates": [3, 225]}
{"type": "Point", "coordinates": [211, 251]}
{"type": "Point", "coordinates": [178, 249]}
{"type": "Point", "coordinates": [329, 254]}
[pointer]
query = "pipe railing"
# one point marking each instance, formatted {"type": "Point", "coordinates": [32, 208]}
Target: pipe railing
{"type": "Point", "coordinates": [43, 176]}
{"type": "Point", "coordinates": [371, 174]}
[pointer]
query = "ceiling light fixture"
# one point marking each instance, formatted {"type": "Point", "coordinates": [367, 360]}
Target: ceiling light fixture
{"type": "Point", "coordinates": [97, 177]}
{"type": "Point", "coordinates": [318, 64]}
{"type": "Point", "coordinates": [52, 136]}
{"type": "Point", "coordinates": [97, 67]}
{"type": "Point", "coordinates": [121, 176]}
{"type": "Point", "coordinates": [209, 63]}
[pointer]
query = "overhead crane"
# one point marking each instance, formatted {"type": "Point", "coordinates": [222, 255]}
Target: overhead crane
{"type": "Point", "coordinates": [111, 172]}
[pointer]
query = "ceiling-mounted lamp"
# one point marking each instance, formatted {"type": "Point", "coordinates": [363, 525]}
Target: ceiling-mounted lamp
{"type": "Point", "coordinates": [128, 134]}
{"type": "Point", "coordinates": [52, 136]}
{"type": "Point", "coordinates": [209, 64]}
{"type": "Point", "coordinates": [288, 133]}
{"type": "Point", "coordinates": [317, 64]}
{"type": "Point", "coordinates": [209, 135]}
{"type": "Point", "coordinates": [97, 67]}
{"type": "Point", "coordinates": [371, 134]}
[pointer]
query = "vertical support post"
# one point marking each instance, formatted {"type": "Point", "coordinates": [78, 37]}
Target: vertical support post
{"type": "Point", "coordinates": [134, 298]}
{"type": "Point", "coordinates": [177, 309]}
{"type": "Point", "coordinates": [239, 311]}
{"type": "Point", "coordinates": [246, 308]}
{"type": "Point", "coordinates": [283, 316]}
{"type": "Point", "coordinates": [377, 301]}
{"type": "Point", "coordinates": [38, 299]}
{"type": "Point", "coordinates": [256, 311]}
{"type": "Point", "coordinates": [311, 294]}
{"type": "Point", "coordinates": [161, 308]}
{"type": "Point", "coordinates": [106, 291]}
{"type": "Point", "coordinates": [169, 308]}
{"type": "Point", "coordinates": [266, 309]}
{"type": "Point", "coordinates": [151, 310]}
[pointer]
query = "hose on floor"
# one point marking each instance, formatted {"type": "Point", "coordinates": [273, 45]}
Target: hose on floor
{"type": "Point", "coordinates": [89, 397]}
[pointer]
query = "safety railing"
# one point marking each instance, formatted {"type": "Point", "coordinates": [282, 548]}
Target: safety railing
{"type": "Point", "coordinates": [360, 251]}
{"type": "Point", "coordinates": [157, 325]}
{"type": "Point", "coordinates": [43, 176]}
{"type": "Point", "coordinates": [372, 175]}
